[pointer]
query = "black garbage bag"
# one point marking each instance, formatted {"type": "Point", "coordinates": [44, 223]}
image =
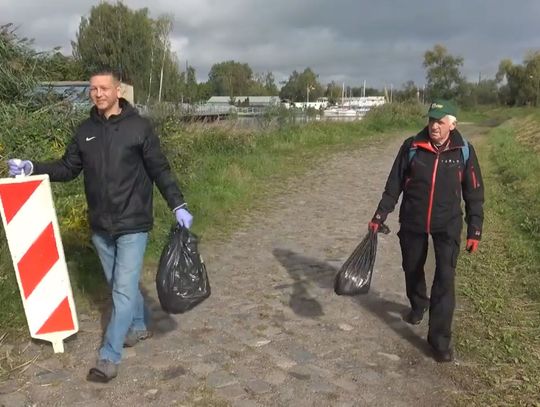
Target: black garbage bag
{"type": "Point", "coordinates": [181, 279]}
{"type": "Point", "coordinates": [354, 277]}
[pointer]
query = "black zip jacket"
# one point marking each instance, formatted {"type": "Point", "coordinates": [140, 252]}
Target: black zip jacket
{"type": "Point", "coordinates": [433, 184]}
{"type": "Point", "coordinates": [120, 158]}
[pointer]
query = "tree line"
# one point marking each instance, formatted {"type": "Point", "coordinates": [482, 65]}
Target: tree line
{"type": "Point", "coordinates": [139, 48]}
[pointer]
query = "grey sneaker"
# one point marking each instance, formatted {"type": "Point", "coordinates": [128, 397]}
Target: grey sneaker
{"type": "Point", "coordinates": [104, 371]}
{"type": "Point", "coordinates": [133, 337]}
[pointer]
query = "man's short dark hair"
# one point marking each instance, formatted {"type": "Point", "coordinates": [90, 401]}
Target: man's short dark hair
{"type": "Point", "coordinates": [107, 71]}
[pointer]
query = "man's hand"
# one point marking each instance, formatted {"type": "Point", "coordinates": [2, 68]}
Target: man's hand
{"type": "Point", "coordinates": [472, 245]}
{"type": "Point", "coordinates": [184, 218]}
{"type": "Point", "coordinates": [18, 167]}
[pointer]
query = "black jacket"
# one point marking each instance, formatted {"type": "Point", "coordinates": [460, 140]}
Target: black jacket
{"type": "Point", "coordinates": [433, 184]}
{"type": "Point", "coordinates": [120, 158]}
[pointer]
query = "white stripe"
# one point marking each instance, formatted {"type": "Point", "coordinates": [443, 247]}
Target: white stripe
{"type": "Point", "coordinates": [47, 296]}
{"type": "Point", "coordinates": [30, 221]}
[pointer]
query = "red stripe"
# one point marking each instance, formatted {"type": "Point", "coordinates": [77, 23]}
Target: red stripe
{"type": "Point", "coordinates": [475, 183]}
{"type": "Point", "coordinates": [15, 195]}
{"type": "Point", "coordinates": [38, 260]}
{"type": "Point", "coordinates": [432, 193]}
{"type": "Point", "coordinates": [60, 320]}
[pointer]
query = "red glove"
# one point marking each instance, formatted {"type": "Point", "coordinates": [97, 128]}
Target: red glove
{"type": "Point", "coordinates": [472, 245]}
{"type": "Point", "coordinates": [373, 226]}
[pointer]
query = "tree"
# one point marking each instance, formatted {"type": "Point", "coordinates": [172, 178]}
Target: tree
{"type": "Point", "coordinates": [59, 67]}
{"type": "Point", "coordinates": [408, 92]}
{"type": "Point", "coordinates": [298, 86]}
{"type": "Point", "coordinates": [264, 85]}
{"type": "Point", "coordinates": [442, 72]}
{"type": "Point", "coordinates": [532, 77]}
{"type": "Point", "coordinates": [522, 85]}
{"type": "Point", "coordinates": [270, 84]}
{"type": "Point", "coordinates": [19, 68]}
{"type": "Point", "coordinates": [204, 91]}
{"type": "Point", "coordinates": [116, 37]}
{"type": "Point", "coordinates": [190, 88]}
{"type": "Point", "coordinates": [230, 78]}
{"type": "Point", "coordinates": [163, 30]}
{"type": "Point", "coordinates": [333, 93]}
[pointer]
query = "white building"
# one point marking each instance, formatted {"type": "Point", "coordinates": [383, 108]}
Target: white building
{"type": "Point", "coordinates": [252, 101]}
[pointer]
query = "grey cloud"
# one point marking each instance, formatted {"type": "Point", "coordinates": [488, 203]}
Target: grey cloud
{"type": "Point", "coordinates": [381, 41]}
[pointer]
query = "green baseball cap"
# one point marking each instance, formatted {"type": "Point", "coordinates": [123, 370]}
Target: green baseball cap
{"type": "Point", "coordinates": [440, 108]}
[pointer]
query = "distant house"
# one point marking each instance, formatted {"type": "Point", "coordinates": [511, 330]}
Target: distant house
{"type": "Point", "coordinates": [252, 101]}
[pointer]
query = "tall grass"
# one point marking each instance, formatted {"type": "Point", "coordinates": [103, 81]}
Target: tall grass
{"type": "Point", "coordinates": [499, 330]}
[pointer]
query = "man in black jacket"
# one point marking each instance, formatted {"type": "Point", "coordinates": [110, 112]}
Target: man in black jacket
{"type": "Point", "coordinates": [121, 159]}
{"type": "Point", "coordinates": [434, 170]}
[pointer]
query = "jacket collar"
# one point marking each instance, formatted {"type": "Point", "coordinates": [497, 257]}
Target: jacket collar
{"type": "Point", "coordinates": [127, 110]}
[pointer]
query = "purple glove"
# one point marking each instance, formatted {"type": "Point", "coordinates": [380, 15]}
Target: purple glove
{"type": "Point", "coordinates": [184, 218]}
{"type": "Point", "coordinates": [19, 167]}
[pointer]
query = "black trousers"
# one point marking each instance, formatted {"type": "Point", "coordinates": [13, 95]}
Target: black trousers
{"type": "Point", "coordinates": [414, 248]}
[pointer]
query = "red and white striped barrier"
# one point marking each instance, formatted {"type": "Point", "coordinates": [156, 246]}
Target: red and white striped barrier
{"type": "Point", "coordinates": [31, 227]}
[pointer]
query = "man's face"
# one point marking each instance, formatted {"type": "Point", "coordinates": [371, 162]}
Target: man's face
{"type": "Point", "coordinates": [439, 129]}
{"type": "Point", "coordinates": [104, 91]}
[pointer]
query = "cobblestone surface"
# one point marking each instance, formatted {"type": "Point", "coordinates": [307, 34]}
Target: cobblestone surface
{"type": "Point", "coordinates": [273, 333]}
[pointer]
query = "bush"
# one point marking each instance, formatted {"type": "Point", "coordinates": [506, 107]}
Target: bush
{"type": "Point", "coordinates": [395, 116]}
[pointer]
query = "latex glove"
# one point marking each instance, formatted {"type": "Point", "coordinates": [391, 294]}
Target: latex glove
{"type": "Point", "coordinates": [373, 226]}
{"type": "Point", "coordinates": [184, 218]}
{"type": "Point", "coordinates": [472, 245]}
{"type": "Point", "coordinates": [17, 167]}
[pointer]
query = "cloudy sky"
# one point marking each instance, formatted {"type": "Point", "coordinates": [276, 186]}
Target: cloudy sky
{"type": "Point", "coordinates": [380, 41]}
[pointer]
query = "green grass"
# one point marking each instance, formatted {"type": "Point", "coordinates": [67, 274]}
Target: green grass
{"type": "Point", "coordinates": [498, 331]}
{"type": "Point", "coordinates": [223, 186]}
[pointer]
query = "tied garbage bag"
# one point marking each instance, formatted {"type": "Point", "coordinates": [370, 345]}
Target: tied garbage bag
{"type": "Point", "coordinates": [181, 279]}
{"type": "Point", "coordinates": [354, 277]}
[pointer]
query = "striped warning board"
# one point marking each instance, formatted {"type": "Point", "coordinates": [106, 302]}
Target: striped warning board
{"type": "Point", "coordinates": [34, 241]}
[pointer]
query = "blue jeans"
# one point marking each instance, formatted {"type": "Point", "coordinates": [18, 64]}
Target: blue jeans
{"type": "Point", "coordinates": [122, 261]}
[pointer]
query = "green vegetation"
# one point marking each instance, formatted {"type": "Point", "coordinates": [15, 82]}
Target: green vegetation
{"type": "Point", "coordinates": [499, 329]}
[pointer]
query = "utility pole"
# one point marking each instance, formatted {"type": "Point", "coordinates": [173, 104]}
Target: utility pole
{"type": "Point", "coordinates": [308, 88]}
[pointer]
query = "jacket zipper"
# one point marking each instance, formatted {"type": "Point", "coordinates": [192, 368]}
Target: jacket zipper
{"type": "Point", "coordinates": [432, 193]}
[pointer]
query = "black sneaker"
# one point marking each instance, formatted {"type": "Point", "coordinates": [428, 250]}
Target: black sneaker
{"type": "Point", "coordinates": [414, 317]}
{"type": "Point", "coordinates": [443, 356]}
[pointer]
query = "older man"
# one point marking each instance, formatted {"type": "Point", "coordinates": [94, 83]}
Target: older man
{"type": "Point", "coordinates": [434, 170]}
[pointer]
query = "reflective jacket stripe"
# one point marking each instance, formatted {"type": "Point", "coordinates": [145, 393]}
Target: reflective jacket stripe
{"type": "Point", "coordinates": [432, 193]}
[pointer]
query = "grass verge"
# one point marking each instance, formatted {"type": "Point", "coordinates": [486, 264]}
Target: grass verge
{"type": "Point", "coordinates": [498, 331]}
